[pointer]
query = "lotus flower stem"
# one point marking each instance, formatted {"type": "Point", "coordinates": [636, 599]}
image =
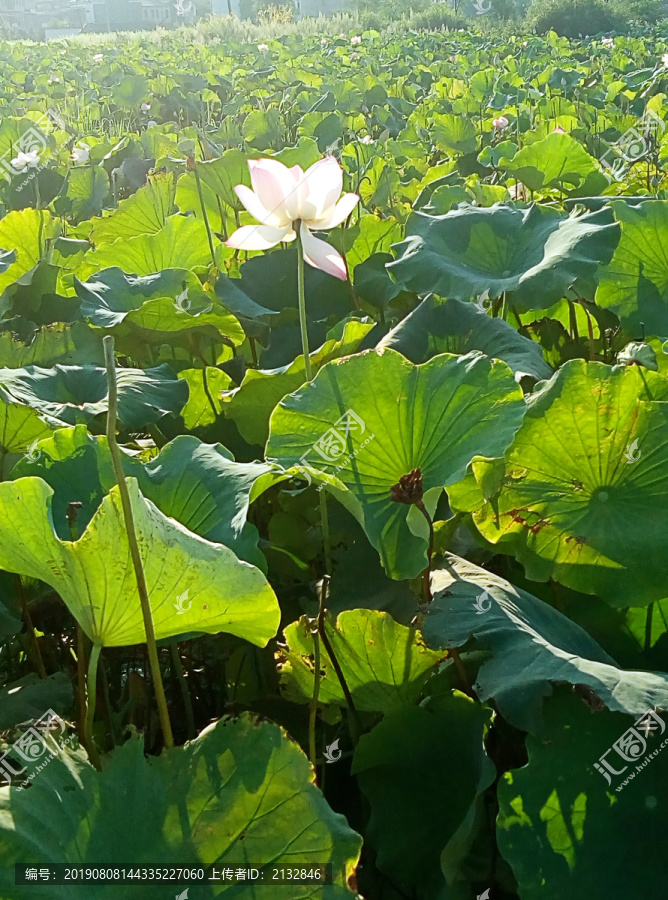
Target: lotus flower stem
{"type": "Point", "coordinates": [142, 588]}
{"type": "Point", "coordinates": [302, 303]}
{"type": "Point", "coordinates": [30, 628]}
{"type": "Point", "coordinates": [355, 720]}
{"type": "Point", "coordinates": [91, 693]}
{"type": "Point", "coordinates": [426, 575]}
{"type": "Point", "coordinates": [205, 216]}
{"type": "Point", "coordinates": [313, 710]}
{"type": "Point", "coordinates": [185, 693]}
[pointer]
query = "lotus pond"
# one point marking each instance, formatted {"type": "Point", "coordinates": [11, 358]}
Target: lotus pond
{"type": "Point", "coordinates": [334, 466]}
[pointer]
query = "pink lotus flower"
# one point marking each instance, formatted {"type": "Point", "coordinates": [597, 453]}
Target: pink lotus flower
{"type": "Point", "coordinates": [558, 130]}
{"type": "Point", "coordinates": [501, 123]}
{"type": "Point", "coordinates": [283, 199]}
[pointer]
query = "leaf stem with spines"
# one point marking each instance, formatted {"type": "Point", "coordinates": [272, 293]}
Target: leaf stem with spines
{"type": "Point", "coordinates": [131, 531]}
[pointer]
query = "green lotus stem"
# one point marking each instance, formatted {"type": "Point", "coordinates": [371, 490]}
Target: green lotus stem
{"type": "Point", "coordinates": [185, 693]}
{"type": "Point", "coordinates": [355, 723]}
{"type": "Point", "coordinates": [302, 301]}
{"type": "Point", "coordinates": [81, 684]}
{"type": "Point", "coordinates": [142, 588]}
{"type": "Point", "coordinates": [426, 575]}
{"type": "Point", "coordinates": [205, 217]}
{"type": "Point", "coordinates": [30, 628]}
{"type": "Point", "coordinates": [91, 690]}
{"type": "Point", "coordinates": [313, 707]}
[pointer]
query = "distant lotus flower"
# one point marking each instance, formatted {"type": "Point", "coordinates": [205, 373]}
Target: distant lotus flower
{"type": "Point", "coordinates": [53, 79]}
{"type": "Point", "coordinates": [664, 59]}
{"type": "Point", "coordinates": [26, 161]}
{"type": "Point", "coordinates": [145, 107]}
{"type": "Point", "coordinates": [607, 42]}
{"type": "Point", "coordinates": [262, 47]}
{"type": "Point", "coordinates": [324, 42]}
{"type": "Point", "coordinates": [558, 130]}
{"type": "Point", "coordinates": [98, 57]}
{"type": "Point", "coordinates": [81, 153]}
{"type": "Point", "coordinates": [283, 199]}
{"type": "Point", "coordinates": [367, 139]}
{"type": "Point", "coordinates": [501, 123]}
{"type": "Point", "coordinates": [356, 39]}
{"type": "Point", "coordinates": [151, 122]}
{"type": "Point", "coordinates": [342, 35]}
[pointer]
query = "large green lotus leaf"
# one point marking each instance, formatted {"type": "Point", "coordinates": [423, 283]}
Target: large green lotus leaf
{"type": "Point", "coordinates": [241, 794]}
{"type": "Point", "coordinates": [87, 190]}
{"type": "Point", "coordinates": [564, 831]}
{"type": "Point", "coordinates": [20, 425]}
{"type": "Point", "coordinates": [454, 326]}
{"type": "Point", "coordinates": [67, 344]}
{"type": "Point", "coordinates": [111, 294]}
{"type": "Point", "coordinates": [422, 770]}
{"type": "Point", "coordinates": [453, 133]}
{"type": "Point", "coordinates": [145, 212]}
{"type": "Point", "coordinates": [634, 285]}
{"type": "Point", "coordinates": [365, 421]}
{"type": "Point", "coordinates": [533, 254]}
{"type": "Point", "coordinates": [205, 389]}
{"type": "Point", "coordinates": [223, 174]}
{"type": "Point", "coordinates": [181, 244]}
{"type": "Point", "coordinates": [384, 664]}
{"type": "Point", "coordinates": [558, 161]}
{"type": "Point", "coordinates": [370, 235]}
{"type": "Point", "coordinates": [585, 496]}
{"type": "Point", "coordinates": [533, 646]}
{"type": "Point", "coordinates": [96, 579]}
{"type": "Point", "coordinates": [20, 233]}
{"type": "Point", "coordinates": [28, 697]}
{"type": "Point", "coordinates": [156, 305]}
{"type": "Point", "coordinates": [252, 404]}
{"type": "Point", "coordinates": [199, 485]}
{"type": "Point", "coordinates": [77, 394]}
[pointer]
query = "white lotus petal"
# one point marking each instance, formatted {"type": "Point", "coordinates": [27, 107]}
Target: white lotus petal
{"type": "Point", "coordinates": [273, 183]}
{"type": "Point", "coordinates": [252, 203]}
{"type": "Point", "coordinates": [325, 183]}
{"type": "Point", "coordinates": [296, 198]}
{"type": "Point", "coordinates": [259, 237]}
{"type": "Point", "coordinates": [321, 255]}
{"type": "Point", "coordinates": [336, 215]}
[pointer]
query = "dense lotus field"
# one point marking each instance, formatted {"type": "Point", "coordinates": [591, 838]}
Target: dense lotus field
{"type": "Point", "coordinates": [334, 466]}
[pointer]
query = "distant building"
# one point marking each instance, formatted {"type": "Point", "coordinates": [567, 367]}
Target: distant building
{"type": "Point", "coordinates": [39, 18]}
